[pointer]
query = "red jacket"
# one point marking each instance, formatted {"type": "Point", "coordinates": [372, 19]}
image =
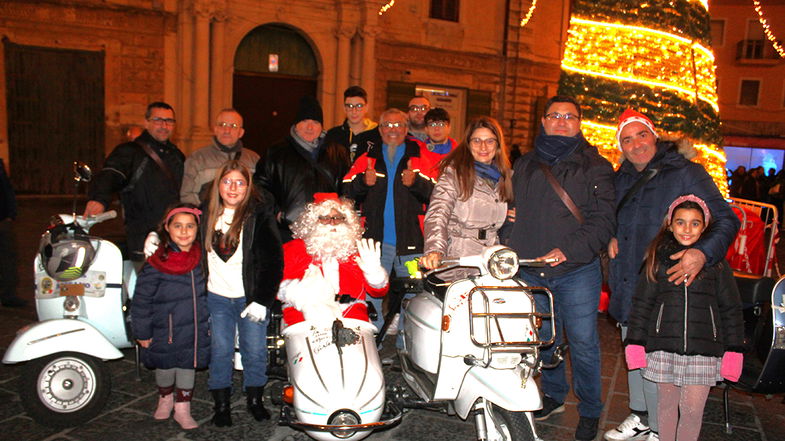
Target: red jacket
{"type": "Point", "coordinates": [352, 282]}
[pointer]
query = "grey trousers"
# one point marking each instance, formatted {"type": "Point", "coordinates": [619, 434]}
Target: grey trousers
{"type": "Point", "coordinates": [643, 393]}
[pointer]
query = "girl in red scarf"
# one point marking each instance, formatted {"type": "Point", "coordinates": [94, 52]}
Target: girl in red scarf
{"type": "Point", "coordinates": [169, 313]}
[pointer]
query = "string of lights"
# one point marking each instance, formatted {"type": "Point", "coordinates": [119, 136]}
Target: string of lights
{"type": "Point", "coordinates": [529, 14]}
{"type": "Point", "coordinates": [767, 29]}
{"type": "Point", "coordinates": [387, 6]}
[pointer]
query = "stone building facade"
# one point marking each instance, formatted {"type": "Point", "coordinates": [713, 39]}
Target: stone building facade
{"type": "Point", "coordinates": [205, 55]}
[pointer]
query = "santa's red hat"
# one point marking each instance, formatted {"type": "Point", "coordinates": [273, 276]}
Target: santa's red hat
{"type": "Point", "coordinates": [318, 198]}
{"type": "Point", "coordinates": [631, 116]}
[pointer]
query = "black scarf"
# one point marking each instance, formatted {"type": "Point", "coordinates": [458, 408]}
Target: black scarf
{"type": "Point", "coordinates": [553, 148]}
{"type": "Point", "coordinates": [237, 147]}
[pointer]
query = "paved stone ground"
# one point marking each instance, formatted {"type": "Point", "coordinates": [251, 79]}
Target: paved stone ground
{"type": "Point", "coordinates": [128, 413]}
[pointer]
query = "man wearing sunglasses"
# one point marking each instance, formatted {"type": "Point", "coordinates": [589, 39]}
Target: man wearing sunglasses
{"type": "Point", "coordinates": [355, 105]}
{"type": "Point", "coordinates": [201, 165]}
{"type": "Point", "coordinates": [146, 172]}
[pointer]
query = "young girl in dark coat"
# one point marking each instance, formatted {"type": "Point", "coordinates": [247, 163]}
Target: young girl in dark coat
{"type": "Point", "coordinates": [686, 338]}
{"type": "Point", "coordinates": [169, 313]}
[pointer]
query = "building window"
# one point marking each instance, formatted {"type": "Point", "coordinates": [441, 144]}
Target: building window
{"type": "Point", "coordinates": [445, 9]}
{"type": "Point", "coordinates": [748, 95]}
{"type": "Point", "coordinates": [717, 32]}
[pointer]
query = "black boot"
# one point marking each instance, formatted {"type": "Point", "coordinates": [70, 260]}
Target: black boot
{"type": "Point", "coordinates": [255, 405]}
{"type": "Point", "coordinates": [223, 407]}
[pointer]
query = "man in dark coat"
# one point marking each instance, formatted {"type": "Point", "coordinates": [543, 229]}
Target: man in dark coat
{"type": "Point", "coordinates": [639, 217]}
{"type": "Point", "coordinates": [8, 277]}
{"type": "Point", "coordinates": [146, 189]}
{"type": "Point", "coordinates": [301, 165]}
{"type": "Point", "coordinates": [569, 231]}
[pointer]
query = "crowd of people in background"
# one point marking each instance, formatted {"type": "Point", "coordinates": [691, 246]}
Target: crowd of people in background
{"type": "Point", "coordinates": [758, 184]}
{"type": "Point", "coordinates": [272, 226]}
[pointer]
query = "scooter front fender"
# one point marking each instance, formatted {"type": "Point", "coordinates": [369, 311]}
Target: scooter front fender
{"type": "Point", "coordinates": [503, 387]}
{"type": "Point", "coordinates": [59, 335]}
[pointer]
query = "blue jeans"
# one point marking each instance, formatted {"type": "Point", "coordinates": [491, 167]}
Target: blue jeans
{"type": "Point", "coordinates": [390, 261]}
{"type": "Point", "coordinates": [225, 321]}
{"type": "Point", "coordinates": [576, 296]}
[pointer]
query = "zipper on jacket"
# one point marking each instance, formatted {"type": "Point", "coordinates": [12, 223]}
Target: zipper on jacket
{"type": "Point", "coordinates": [196, 322]}
{"type": "Point", "coordinates": [713, 323]}
{"type": "Point", "coordinates": [686, 305]}
{"type": "Point", "coordinates": [171, 329]}
{"type": "Point", "coordinates": [659, 317]}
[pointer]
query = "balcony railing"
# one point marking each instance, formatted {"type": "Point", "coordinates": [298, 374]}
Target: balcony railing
{"type": "Point", "coordinates": [756, 51]}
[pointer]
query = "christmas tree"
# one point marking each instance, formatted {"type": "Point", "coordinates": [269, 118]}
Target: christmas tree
{"type": "Point", "coordinates": [654, 56]}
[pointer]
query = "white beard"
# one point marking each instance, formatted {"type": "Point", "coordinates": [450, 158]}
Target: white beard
{"type": "Point", "coordinates": [331, 241]}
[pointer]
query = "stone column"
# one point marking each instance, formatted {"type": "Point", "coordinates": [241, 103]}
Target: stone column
{"type": "Point", "coordinates": [369, 34]}
{"type": "Point", "coordinates": [200, 126]}
{"type": "Point", "coordinates": [344, 35]}
{"type": "Point", "coordinates": [218, 69]}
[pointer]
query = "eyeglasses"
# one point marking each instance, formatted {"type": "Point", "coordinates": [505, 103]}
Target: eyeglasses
{"type": "Point", "coordinates": [225, 125]}
{"type": "Point", "coordinates": [240, 183]}
{"type": "Point", "coordinates": [438, 124]}
{"type": "Point", "coordinates": [424, 108]}
{"type": "Point", "coordinates": [358, 106]}
{"type": "Point", "coordinates": [490, 142]}
{"type": "Point", "coordinates": [392, 125]}
{"type": "Point", "coordinates": [332, 219]}
{"type": "Point", "coordinates": [162, 121]}
{"type": "Point", "coordinates": [565, 116]}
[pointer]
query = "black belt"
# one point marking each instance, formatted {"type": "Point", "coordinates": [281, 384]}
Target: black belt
{"type": "Point", "coordinates": [345, 298]}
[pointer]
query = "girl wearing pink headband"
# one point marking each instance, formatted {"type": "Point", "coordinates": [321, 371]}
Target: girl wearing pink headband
{"type": "Point", "coordinates": [685, 338]}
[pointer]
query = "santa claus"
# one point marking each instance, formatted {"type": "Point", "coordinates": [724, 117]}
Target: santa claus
{"type": "Point", "coordinates": [328, 267]}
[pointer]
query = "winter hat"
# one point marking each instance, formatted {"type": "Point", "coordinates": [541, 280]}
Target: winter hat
{"type": "Point", "coordinates": [631, 116]}
{"type": "Point", "coordinates": [309, 108]}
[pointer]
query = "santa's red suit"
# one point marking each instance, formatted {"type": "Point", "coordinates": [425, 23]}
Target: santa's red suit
{"type": "Point", "coordinates": [351, 282]}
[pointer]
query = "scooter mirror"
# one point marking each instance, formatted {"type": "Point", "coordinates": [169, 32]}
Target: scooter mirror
{"type": "Point", "coordinates": [82, 172]}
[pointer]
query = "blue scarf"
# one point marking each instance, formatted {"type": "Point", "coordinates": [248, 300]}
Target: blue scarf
{"type": "Point", "coordinates": [553, 148]}
{"type": "Point", "coordinates": [487, 171]}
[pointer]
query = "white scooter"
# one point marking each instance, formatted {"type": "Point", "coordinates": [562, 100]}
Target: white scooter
{"type": "Point", "coordinates": [473, 349]}
{"type": "Point", "coordinates": [81, 288]}
{"type": "Point", "coordinates": [337, 387]}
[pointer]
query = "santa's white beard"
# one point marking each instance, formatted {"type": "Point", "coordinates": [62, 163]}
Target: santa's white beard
{"type": "Point", "coordinates": [331, 241]}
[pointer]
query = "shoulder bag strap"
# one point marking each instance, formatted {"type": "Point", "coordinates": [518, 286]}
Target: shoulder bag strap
{"type": "Point", "coordinates": [152, 154]}
{"type": "Point", "coordinates": [650, 173]}
{"type": "Point", "coordinates": [565, 198]}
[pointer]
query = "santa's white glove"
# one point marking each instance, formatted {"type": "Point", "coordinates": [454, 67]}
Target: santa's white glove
{"type": "Point", "coordinates": [369, 259]}
{"type": "Point", "coordinates": [322, 314]}
{"type": "Point", "coordinates": [151, 244]}
{"type": "Point", "coordinates": [311, 289]}
{"type": "Point", "coordinates": [254, 312]}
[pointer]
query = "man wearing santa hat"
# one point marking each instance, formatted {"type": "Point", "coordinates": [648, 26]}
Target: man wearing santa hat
{"type": "Point", "coordinates": [328, 267]}
{"type": "Point", "coordinates": [653, 174]}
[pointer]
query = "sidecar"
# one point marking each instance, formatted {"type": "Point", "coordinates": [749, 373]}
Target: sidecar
{"type": "Point", "coordinates": [337, 386]}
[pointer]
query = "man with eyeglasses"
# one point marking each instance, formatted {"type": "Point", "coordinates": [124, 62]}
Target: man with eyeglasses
{"type": "Point", "coordinates": [391, 187]}
{"type": "Point", "coordinates": [355, 104]}
{"type": "Point", "coordinates": [653, 174]}
{"type": "Point", "coordinates": [564, 199]}
{"type": "Point", "coordinates": [418, 107]}
{"type": "Point", "coordinates": [201, 165]}
{"type": "Point", "coordinates": [146, 172]}
{"type": "Point", "coordinates": [438, 143]}
{"type": "Point", "coordinates": [301, 165]}
{"type": "Point", "coordinates": [329, 268]}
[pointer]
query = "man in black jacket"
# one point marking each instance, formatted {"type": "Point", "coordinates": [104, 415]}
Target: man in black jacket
{"type": "Point", "coordinates": [565, 199]}
{"type": "Point", "coordinates": [301, 165]}
{"type": "Point", "coordinates": [355, 104]}
{"type": "Point", "coordinates": [146, 187]}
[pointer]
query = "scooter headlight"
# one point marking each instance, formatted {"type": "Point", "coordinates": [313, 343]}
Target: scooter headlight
{"type": "Point", "coordinates": [502, 262]}
{"type": "Point", "coordinates": [343, 417]}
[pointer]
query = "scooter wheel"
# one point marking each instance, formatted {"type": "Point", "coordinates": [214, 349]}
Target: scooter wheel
{"type": "Point", "coordinates": [504, 425]}
{"type": "Point", "coordinates": [64, 389]}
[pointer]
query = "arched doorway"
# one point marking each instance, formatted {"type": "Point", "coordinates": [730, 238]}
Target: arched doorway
{"type": "Point", "coordinates": [267, 98]}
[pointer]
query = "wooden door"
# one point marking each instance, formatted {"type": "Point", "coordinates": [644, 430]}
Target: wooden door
{"type": "Point", "coordinates": [269, 105]}
{"type": "Point", "coordinates": [55, 115]}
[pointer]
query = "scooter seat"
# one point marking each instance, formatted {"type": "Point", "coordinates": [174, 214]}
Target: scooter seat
{"type": "Point", "coordinates": [755, 290]}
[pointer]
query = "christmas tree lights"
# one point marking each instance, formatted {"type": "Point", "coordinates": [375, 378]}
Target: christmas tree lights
{"type": "Point", "coordinates": [653, 56]}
